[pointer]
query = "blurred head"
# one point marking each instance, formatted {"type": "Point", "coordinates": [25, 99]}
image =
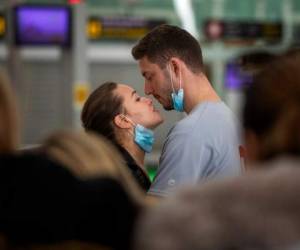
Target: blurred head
{"type": "Point", "coordinates": [271, 112]}
{"type": "Point", "coordinates": [89, 156]}
{"type": "Point", "coordinates": [254, 211]}
{"type": "Point", "coordinates": [164, 51]}
{"type": "Point", "coordinates": [9, 129]}
{"type": "Point", "coordinates": [113, 110]}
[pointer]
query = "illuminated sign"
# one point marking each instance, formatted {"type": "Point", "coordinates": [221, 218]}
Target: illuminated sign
{"type": "Point", "coordinates": [81, 92]}
{"type": "Point", "coordinates": [124, 28]}
{"type": "Point", "coordinates": [235, 77]}
{"type": "Point", "coordinates": [270, 32]}
{"type": "Point", "coordinates": [37, 24]}
{"type": "Point", "coordinates": [2, 26]}
{"type": "Point", "coordinates": [75, 1]}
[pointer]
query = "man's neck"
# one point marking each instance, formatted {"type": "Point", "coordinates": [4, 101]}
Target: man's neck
{"type": "Point", "coordinates": [198, 90]}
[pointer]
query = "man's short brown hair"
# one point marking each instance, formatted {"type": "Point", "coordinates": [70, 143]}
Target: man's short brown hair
{"type": "Point", "coordinates": [166, 41]}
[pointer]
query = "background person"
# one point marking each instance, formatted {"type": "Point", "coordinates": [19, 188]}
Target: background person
{"type": "Point", "coordinates": [9, 121]}
{"type": "Point", "coordinates": [271, 111]}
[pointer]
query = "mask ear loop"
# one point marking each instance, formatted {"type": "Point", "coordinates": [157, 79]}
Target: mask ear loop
{"type": "Point", "coordinates": [130, 121]}
{"type": "Point", "coordinates": [180, 82]}
{"type": "Point", "coordinates": [180, 79]}
{"type": "Point", "coordinates": [171, 78]}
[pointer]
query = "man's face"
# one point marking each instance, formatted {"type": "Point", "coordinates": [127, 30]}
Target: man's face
{"type": "Point", "coordinates": [157, 82]}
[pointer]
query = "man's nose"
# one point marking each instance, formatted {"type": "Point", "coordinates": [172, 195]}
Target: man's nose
{"type": "Point", "coordinates": [147, 88]}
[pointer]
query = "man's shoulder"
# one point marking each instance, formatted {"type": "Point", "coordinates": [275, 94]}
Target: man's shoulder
{"type": "Point", "coordinates": [196, 123]}
{"type": "Point", "coordinates": [208, 124]}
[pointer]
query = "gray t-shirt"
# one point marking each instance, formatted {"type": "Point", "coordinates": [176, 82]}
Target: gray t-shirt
{"type": "Point", "coordinates": [204, 145]}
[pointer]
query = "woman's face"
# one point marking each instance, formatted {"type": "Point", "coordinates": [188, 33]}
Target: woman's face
{"type": "Point", "coordinates": [139, 109]}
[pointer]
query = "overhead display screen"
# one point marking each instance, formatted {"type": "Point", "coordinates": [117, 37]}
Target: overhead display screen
{"type": "Point", "coordinates": [268, 32]}
{"type": "Point", "coordinates": [43, 25]}
{"type": "Point", "coordinates": [119, 28]}
{"type": "Point", "coordinates": [235, 77]}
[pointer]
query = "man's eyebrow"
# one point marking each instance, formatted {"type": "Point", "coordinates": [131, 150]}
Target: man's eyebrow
{"type": "Point", "coordinates": [133, 92]}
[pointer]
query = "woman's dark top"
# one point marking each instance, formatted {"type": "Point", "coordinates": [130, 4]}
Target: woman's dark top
{"type": "Point", "coordinates": [139, 175]}
{"type": "Point", "coordinates": [41, 202]}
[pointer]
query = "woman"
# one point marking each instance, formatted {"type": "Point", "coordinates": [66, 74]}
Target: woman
{"type": "Point", "coordinates": [117, 112]}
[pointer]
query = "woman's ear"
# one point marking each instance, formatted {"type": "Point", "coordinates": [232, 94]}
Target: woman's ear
{"type": "Point", "coordinates": [121, 121]}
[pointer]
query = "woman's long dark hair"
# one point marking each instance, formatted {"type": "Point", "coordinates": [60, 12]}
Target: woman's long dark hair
{"type": "Point", "coordinates": [100, 109]}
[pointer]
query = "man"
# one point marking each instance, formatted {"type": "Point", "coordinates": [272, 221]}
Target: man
{"type": "Point", "coordinates": [205, 144]}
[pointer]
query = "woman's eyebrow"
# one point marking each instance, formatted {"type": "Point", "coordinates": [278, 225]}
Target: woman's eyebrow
{"type": "Point", "coordinates": [133, 92]}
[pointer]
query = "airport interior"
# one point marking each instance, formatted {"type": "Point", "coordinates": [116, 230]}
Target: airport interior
{"type": "Point", "coordinates": [53, 78]}
{"type": "Point", "coordinates": [57, 52]}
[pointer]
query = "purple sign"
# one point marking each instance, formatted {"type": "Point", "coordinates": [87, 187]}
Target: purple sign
{"type": "Point", "coordinates": [236, 78]}
{"type": "Point", "coordinates": [48, 25]}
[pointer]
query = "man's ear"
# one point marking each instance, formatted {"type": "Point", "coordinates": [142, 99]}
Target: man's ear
{"type": "Point", "coordinates": [121, 121]}
{"type": "Point", "coordinates": [175, 65]}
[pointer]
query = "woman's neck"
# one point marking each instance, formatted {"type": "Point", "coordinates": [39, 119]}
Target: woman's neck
{"type": "Point", "coordinates": [136, 152]}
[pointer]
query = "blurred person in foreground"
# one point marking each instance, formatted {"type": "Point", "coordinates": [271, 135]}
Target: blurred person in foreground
{"type": "Point", "coordinates": [88, 156]}
{"type": "Point", "coordinates": [117, 112]}
{"type": "Point", "coordinates": [71, 193]}
{"type": "Point", "coordinates": [260, 210]}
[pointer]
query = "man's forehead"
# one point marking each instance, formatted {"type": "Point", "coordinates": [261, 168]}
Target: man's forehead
{"type": "Point", "coordinates": [148, 67]}
{"type": "Point", "coordinates": [145, 62]}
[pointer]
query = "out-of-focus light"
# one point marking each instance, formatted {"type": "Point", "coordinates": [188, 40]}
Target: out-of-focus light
{"type": "Point", "coordinates": [2, 26]}
{"type": "Point", "coordinates": [74, 1]}
{"type": "Point", "coordinates": [214, 29]}
{"type": "Point", "coordinates": [94, 29]}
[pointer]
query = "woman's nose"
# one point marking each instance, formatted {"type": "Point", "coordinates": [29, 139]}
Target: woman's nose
{"type": "Point", "coordinates": [148, 100]}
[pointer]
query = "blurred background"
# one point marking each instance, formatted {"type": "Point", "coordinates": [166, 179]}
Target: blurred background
{"type": "Point", "coordinates": [57, 51]}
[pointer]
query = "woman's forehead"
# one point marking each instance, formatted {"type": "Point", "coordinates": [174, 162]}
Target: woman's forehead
{"type": "Point", "coordinates": [125, 90]}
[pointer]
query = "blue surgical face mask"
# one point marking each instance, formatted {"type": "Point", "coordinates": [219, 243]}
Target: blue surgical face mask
{"type": "Point", "coordinates": [143, 137]}
{"type": "Point", "coordinates": [177, 98]}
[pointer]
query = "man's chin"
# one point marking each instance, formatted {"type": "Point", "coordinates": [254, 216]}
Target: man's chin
{"type": "Point", "coordinates": [168, 108]}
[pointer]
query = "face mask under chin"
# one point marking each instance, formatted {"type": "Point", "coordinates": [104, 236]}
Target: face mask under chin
{"type": "Point", "coordinates": [142, 136]}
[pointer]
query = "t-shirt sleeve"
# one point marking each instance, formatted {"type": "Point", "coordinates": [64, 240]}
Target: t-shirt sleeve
{"type": "Point", "coordinates": [183, 161]}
